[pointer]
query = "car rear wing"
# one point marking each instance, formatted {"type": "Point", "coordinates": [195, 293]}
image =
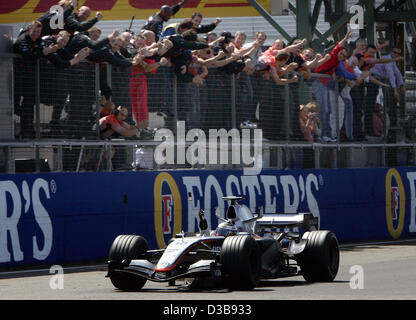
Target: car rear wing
{"type": "Point", "coordinates": [289, 220]}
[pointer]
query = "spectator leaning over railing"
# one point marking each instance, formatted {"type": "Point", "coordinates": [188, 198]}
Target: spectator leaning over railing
{"type": "Point", "coordinates": [254, 89]}
{"type": "Point", "coordinates": [313, 61]}
{"type": "Point", "coordinates": [61, 58]}
{"type": "Point", "coordinates": [198, 63]}
{"type": "Point", "coordinates": [176, 48]}
{"type": "Point", "coordinates": [278, 44]}
{"type": "Point", "coordinates": [30, 46]}
{"type": "Point", "coordinates": [78, 21]}
{"type": "Point", "coordinates": [198, 66]}
{"type": "Point", "coordinates": [303, 70]}
{"type": "Point", "coordinates": [304, 65]}
{"type": "Point", "coordinates": [138, 84]}
{"type": "Point", "coordinates": [177, 28]}
{"type": "Point", "coordinates": [111, 54]}
{"type": "Point", "coordinates": [272, 113]}
{"type": "Point", "coordinates": [244, 89]}
{"type": "Point", "coordinates": [267, 61]}
{"type": "Point", "coordinates": [320, 85]}
{"type": "Point", "coordinates": [361, 46]}
{"type": "Point", "coordinates": [121, 76]}
{"type": "Point", "coordinates": [239, 40]}
{"type": "Point", "coordinates": [45, 19]}
{"type": "Point", "coordinates": [370, 61]}
{"type": "Point", "coordinates": [155, 22]}
{"type": "Point", "coordinates": [51, 93]}
{"type": "Point", "coordinates": [273, 65]}
{"type": "Point", "coordinates": [210, 37]}
{"type": "Point", "coordinates": [80, 111]}
{"type": "Point", "coordinates": [347, 78]}
{"type": "Point", "coordinates": [357, 94]}
{"type": "Point", "coordinates": [159, 86]}
{"type": "Point", "coordinates": [240, 61]}
{"type": "Point", "coordinates": [260, 37]}
{"type": "Point", "coordinates": [392, 72]}
{"type": "Point", "coordinates": [89, 39]}
{"type": "Point", "coordinates": [206, 28]}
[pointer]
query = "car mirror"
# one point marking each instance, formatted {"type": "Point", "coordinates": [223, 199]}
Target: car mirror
{"type": "Point", "coordinates": [260, 212]}
{"type": "Point", "coordinates": [218, 214]}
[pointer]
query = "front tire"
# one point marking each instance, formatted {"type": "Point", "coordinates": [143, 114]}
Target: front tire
{"type": "Point", "coordinates": [319, 261]}
{"type": "Point", "coordinates": [127, 247]}
{"type": "Point", "coordinates": [240, 259]}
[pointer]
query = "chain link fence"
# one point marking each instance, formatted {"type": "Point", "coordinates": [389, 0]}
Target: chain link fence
{"type": "Point", "coordinates": [313, 123]}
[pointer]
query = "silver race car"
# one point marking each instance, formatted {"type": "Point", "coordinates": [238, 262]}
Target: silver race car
{"type": "Point", "coordinates": [243, 249]}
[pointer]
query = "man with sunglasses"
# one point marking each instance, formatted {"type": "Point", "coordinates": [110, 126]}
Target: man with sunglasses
{"type": "Point", "coordinates": [391, 71]}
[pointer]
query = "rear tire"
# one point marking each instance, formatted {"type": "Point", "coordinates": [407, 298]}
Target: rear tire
{"type": "Point", "coordinates": [127, 247]}
{"type": "Point", "coordinates": [319, 261]}
{"type": "Point", "coordinates": [240, 259]}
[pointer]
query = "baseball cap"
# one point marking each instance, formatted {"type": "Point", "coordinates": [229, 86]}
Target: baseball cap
{"type": "Point", "coordinates": [227, 35]}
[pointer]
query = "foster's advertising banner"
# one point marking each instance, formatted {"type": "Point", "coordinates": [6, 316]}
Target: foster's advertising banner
{"type": "Point", "coordinates": [74, 217]}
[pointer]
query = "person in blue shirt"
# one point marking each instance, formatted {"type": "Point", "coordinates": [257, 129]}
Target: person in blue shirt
{"type": "Point", "coordinates": [177, 28]}
{"type": "Point", "coordinates": [345, 70]}
{"type": "Point", "coordinates": [392, 72]}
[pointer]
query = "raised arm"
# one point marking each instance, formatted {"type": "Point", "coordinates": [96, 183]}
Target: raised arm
{"type": "Point", "coordinates": [281, 81]}
{"type": "Point", "coordinates": [344, 40]}
{"type": "Point", "coordinates": [210, 61]}
{"type": "Point", "coordinates": [317, 61]}
{"type": "Point", "coordinates": [293, 47]}
{"type": "Point", "coordinates": [383, 60]}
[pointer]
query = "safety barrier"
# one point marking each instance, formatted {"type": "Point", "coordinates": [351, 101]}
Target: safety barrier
{"type": "Point", "coordinates": [57, 112]}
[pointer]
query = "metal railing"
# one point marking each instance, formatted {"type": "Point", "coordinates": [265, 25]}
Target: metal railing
{"type": "Point", "coordinates": [57, 112]}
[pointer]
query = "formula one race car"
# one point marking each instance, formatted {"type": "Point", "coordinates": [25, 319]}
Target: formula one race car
{"type": "Point", "coordinates": [243, 249]}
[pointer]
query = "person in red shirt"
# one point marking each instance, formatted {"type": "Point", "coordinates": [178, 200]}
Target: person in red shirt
{"type": "Point", "coordinates": [338, 54]}
{"type": "Point", "coordinates": [320, 85]}
{"type": "Point", "coordinates": [138, 81]}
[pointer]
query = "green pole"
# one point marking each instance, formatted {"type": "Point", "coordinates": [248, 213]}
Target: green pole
{"type": "Point", "coordinates": [303, 20]}
{"type": "Point", "coordinates": [369, 19]}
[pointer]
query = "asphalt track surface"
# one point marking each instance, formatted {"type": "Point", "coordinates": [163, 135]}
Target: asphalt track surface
{"type": "Point", "coordinates": [388, 269]}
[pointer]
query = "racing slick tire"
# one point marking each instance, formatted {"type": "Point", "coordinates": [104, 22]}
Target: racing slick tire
{"type": "Point", "coordinates": [240, 260]}
{"type": "Point", "coordinates": [127, 247]}
{"type": "Point", "coordinates": [319, 261]}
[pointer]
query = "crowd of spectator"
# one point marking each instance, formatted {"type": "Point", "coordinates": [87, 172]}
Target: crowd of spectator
{"type": "Point", "coordinates": [347, 87]}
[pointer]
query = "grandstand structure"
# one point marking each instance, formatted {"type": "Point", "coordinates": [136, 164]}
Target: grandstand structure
{"type": "Point", "coordinates": [322, 22]}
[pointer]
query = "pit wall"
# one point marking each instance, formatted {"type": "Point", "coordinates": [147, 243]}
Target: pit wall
{"type": "Point", "coordinates": [74, 217]}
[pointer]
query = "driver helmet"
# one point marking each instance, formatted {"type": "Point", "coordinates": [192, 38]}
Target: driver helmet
{"type": "Point", "coordinates": [226, 229]}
